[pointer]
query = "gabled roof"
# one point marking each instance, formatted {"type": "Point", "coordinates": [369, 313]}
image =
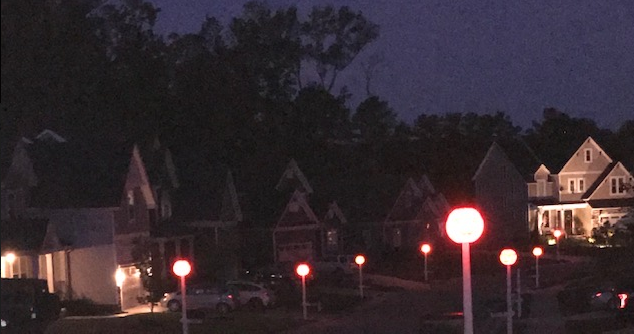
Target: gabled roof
{"type": "Point", "coordinates": [293, 179]}
{"type": "Point", "coordinates": [609, 171]}
{"type": "Point", "coordinates": [230, 210]}
{"type": "Point", "coordinates": [334, 216]}
{"type": "Point", "coordinates": [588, 142]}
{"type": "Point", "coordinates": [412, 199]}
{"type": "Point", "coordinates": [493, 151]}
{"type": "Point", "coordinates": [298, 214]}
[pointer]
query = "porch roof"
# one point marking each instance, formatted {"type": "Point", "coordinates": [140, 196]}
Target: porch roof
{"type": "Point", "coordinates": [612, 203]}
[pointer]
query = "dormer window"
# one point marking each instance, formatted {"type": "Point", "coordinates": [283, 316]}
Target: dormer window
{"type": "Point", "coordinates": [571, 186]}
{"type": "Point", "coordinates": [587, 155]}
{"type": "Point", "coordinates": [131, 204]}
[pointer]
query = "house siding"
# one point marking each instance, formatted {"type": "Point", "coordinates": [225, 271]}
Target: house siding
{"type": "Point", "coordinates": [88, 269]}
{"type": "Point", "coordinates": [502, 196]}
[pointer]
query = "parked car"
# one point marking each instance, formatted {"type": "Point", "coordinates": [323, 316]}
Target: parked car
{"type": "Point", "coordinates": [203, 297]}
{"type": "Point", "coordinates": [338, 264]}
{"type": "Point", "coordinates": [253, 295]}
{"type": "Point", "coordinates": [591, 294]}
{"type": "Point", "coordinates": [26, 303]}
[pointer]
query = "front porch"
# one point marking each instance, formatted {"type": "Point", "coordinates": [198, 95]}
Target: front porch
{"type": "Point", "coordinates": [573, 219]}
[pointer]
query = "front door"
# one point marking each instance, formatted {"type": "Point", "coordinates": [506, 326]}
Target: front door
{"type": "Point", "coordinates": [568, 222]}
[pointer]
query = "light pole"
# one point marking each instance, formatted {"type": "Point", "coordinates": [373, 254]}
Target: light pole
{"type": "Point", "coordinates": [557, 235]}
{"type": "Point", "coordinates": [508, 257]}
{"type": "Point", "coordinates": [119, 278]}
{"type": "Point", "coordinates": [537, 251]}
{"type": "Point", "coordinates": [360, 260]}
{"type": "Point", "coordinates": [425, 248]}
{"type": "Point", "coordinates": [302, 270]}
{"type": "Point", "coordinates": [464, 226]}
{"type": "Point", "coordinates": [182, 268]}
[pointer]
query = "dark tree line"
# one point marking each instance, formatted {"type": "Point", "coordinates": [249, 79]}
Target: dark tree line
{"type": "Point", "coordinates": [249, 96]}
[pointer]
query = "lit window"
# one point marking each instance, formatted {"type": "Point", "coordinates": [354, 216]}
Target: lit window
{"type": "Point", "coordinates": [332, 238]}
{"type": "Point", "coordinates": [587, 155]}
{"type": "Point", "coordinates": [131, 204]}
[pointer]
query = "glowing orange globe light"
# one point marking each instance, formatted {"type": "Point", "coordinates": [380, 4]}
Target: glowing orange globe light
{"type": "Point", "coordinates": [464, 225]}
{"type": "Point", "coordinates": [302, 269]}
{"type": "Point", "coordinates": [557, 234]}
{"type": "Point", "coordinates": [181, 268]}
{"type": "Point", "coordinates": [537, 251]}
{"type": "Point", "coordinates": [508, 257]}
{"type": "Point", "coordinates": [360, 259]}
{"type": "Point", "coordinates": [425, 248]}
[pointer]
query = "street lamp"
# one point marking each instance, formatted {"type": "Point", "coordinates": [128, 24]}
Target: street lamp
{"type": "Point", "coordinates": [508, 257]}
{"type": "Point", "coordinates": [557, 234]}
{"type": "Point", "coordinates": [119, 278]}
{"type": "Point", "coordinates": [464, 226]}
{"type": "Point", "coordinates": [537, 251]}
{"type": "Point", "coordinates": [425, 248]}
{"type": "Point", "coordinates": [360, 260]}
{"type": "Point", "coordinates": [302, 270]}
{"type": "Point", "coordinates": [182, 268]}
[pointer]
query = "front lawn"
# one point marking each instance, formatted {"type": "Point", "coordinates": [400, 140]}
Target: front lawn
{"type": "Point", "coordinates": [272, 321]}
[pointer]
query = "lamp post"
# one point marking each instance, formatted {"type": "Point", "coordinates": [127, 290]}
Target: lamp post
{"type": "Point", "coordinates": [537, 251]}
{"type": "Point", "coordinates": [360, 260]}
{"type": "Point", "coordinates": [508, 257]}
{"type": "Point", "coordinates": [119, 278]}
{"type": "Point", "coordinates": [557, 234]}
{"type": "Point", "coordinates": [302, 270]}
{"type": "Point", "coordinates": [425, 248]}
{"type": "Point", "coordinates": [182, 268]}
{"type": "Point", "coordinates": [464, 226]}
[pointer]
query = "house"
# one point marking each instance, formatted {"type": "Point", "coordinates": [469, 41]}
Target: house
{"type": "Point", "coordinates": [297, 236]}
{"type": "Point", "coordinates": [94, 201]}
{"type": "Point", "coordinates": [334, 227]}
{"type": "Point", "coordinates": [589, 192]}
{"type": "Point", "coordinates": [502, 197]}
{"type": "Point", "coordinates": [417, 214]}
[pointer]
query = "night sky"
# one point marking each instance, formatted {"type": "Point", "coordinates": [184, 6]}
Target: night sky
{"type": "Point", "coordinates": [481, 55]}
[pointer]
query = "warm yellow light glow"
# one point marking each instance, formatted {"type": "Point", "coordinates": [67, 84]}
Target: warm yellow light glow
{"type": "Point", "coordinates": [137, 273]}
{"type": "Point", "coordinates": [464, 225]}
{"type": "Point", "coordinates": [551, 242]}
{"type": "Point", "coordinates": [302, 269]}
{"type": "Point", "coordinates": [508, 257]}
{"type": "Point", "coordinates": [360, 259]}
{"type": "Point", "coordinates": [425, 248]}
{"type": "Point", "coordinates": [10, 257]}
{"type": "Point", "coordinates": [119, 277]}
{"type": "Point", "coordinates": [181, 268]}
{"type": "Point", "coordinates": [537, 251]}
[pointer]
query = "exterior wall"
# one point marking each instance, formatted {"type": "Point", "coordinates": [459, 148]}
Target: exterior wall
{"type": "Point", "coordinates": [502, 196]}
{"type": "Point", "coordinates": [92, 274]}
{"type": "Point", "coordinates": [603, 191]}
{"type": "Point", "coordinates": [589, 178]}
{"type": "Point", "coordinates": [132, 289]}
{"type": "Point", "coordinates": [123, 247]}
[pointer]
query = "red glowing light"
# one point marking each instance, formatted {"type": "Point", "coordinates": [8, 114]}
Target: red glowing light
{"type": "Point", "coordinates": [360, 259]}
{"type": "Point", "coordinates": [464, 225]}
{"type": "Point", "coordinates": [508, 257]}
{"type": "Point", "coordinates": [181, 268]}
{"type": "Point", "coordinates": [425, 248]}
{"type": "Point", "coordinates": [537, 251]}
{"type": "Point", "coordinates": [302, 269]}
